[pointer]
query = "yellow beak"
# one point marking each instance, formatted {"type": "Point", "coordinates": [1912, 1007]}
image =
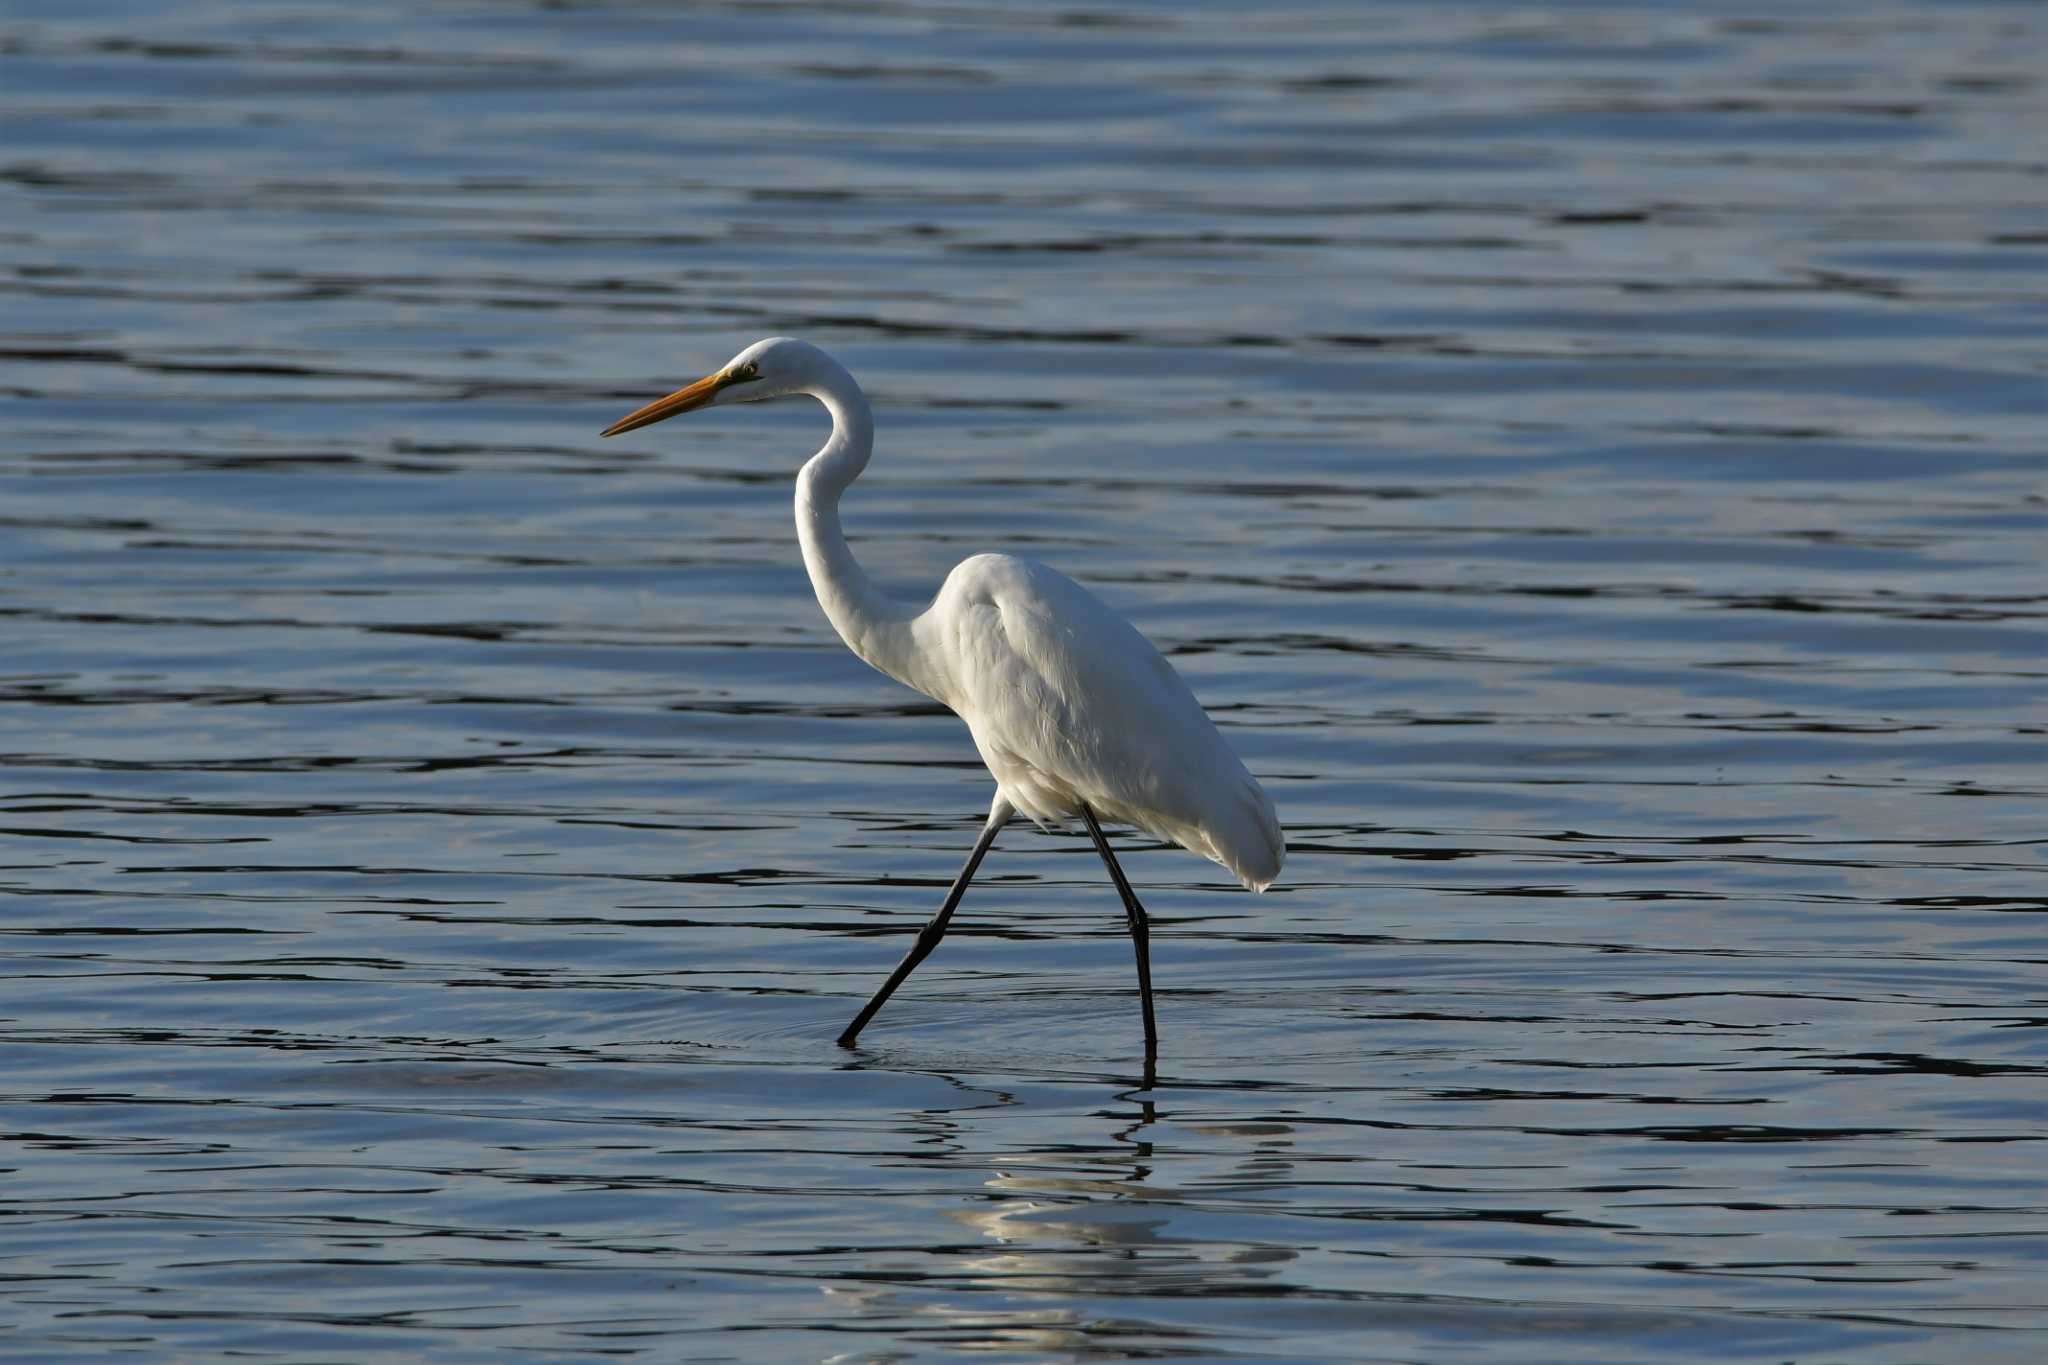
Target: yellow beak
{"type": "Point", "coordinates": [681, 401]}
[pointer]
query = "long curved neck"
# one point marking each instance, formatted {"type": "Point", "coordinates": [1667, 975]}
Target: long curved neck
{"type": "Point", "coordinates": [874, 626]}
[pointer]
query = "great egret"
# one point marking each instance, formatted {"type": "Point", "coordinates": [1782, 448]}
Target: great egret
{"type": "Point", "coordinates": [1074, 712]}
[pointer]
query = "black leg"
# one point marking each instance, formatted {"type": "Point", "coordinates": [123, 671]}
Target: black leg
{"type": "Point", "coordinates": [1141, 931]}
{"type": "Point", "coordinates": [929, 936]}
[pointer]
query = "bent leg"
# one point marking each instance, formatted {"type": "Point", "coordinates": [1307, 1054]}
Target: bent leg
{"type": "Point", "coordinates": [1141, 927]}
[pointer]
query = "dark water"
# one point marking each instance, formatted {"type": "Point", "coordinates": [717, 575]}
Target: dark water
{"type": "Point", "coordinates": [1589, 457]}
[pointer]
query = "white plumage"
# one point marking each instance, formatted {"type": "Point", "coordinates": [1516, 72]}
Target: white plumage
{"type": "Point", "coordinates": [1074, 712]}
{"type": "Point", "coordinates": [1067, 703]}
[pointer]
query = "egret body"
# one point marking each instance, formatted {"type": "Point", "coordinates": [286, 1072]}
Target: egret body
{"type": "Point", "coordinates": [1074, 712]}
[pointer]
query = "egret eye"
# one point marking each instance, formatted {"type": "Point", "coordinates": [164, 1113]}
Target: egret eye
{"type": "Point", "coordinates": [750, 370]}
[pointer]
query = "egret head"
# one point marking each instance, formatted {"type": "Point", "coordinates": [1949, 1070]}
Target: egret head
{"type": "Point", "coordinates": [767, 369]}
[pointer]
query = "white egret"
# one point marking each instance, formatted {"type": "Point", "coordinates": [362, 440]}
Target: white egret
{"type": "Point", "coordinates": [1074, 712]}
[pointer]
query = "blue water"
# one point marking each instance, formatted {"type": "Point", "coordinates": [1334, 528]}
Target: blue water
{"type": "Point", "coordinates": [1589, 458]}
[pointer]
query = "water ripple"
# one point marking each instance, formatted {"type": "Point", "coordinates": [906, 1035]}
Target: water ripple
{"type": "Point", "coordinates": [1589, 461]}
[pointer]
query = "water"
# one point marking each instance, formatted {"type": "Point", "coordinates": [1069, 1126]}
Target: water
{"type": "Point", "coordinates": [1589, 458]}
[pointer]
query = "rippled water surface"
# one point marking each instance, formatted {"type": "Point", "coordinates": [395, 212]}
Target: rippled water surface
{"type": "Point", "coordinates": [1590, 459]}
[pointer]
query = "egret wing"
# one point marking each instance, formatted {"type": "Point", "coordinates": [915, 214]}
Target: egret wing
{"type": "Point", "coordinates": [1068, 702]}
